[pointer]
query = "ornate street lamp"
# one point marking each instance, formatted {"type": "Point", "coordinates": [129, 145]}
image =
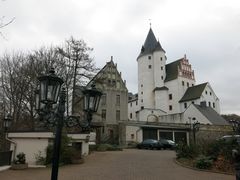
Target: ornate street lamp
{"type": "Point", "coordinates": [7, 122]}
{"type": "Point", "coordinates": [92, 98]}
{"type": "Point", "coordinates": [196, 126]}
{"type": "Point", "coordinates": [50, 86]}
{"type": "Point", "coordinates": [235, 153]}
{"type": "Point", "coordinates": [46, 99]}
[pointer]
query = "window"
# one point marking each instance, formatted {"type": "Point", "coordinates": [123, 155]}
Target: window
{"type": "Point", "coordinates": [213, 104]}
{"type": "Point", "coordinates": [161, 58]}
{"type": "Point", "coordinates": [103, 99]}
{"type": "Point", "coordinates": [187, 84]}
{"type": "Point", "coordinates": [205, 92]}
{"type": "Point", "coordinates": [142, 107]}
{"type": "Point", "coordinates": [104, 112]}
{"type": "Point", "coordinates": [136, 102]}
{"type": "Point", "coordinates": [141, 100]}
{"type": "Point", "coordinates": [118, 115]}
{"type": "Point", "coordinates": [118, 84]}
{"type": "Point", "coordinates": [130, 115]}
{"type": "Point", "coordinates": [183, 83]}
{"type": "Point", "coordinates": [141, 85]}
{"type": "Point", "coordinates": [192, 102]}
{"type": "Point", "coordinates": [149, 66]}
{"type": "Point", "coordinates": [170, 96]}
{"type": "Point", "coordinates": [118, 100]}
{"type": "Point", "coordinates": [209, 104]}
{"type": "Point", "coordinates": [210, 93]}
{"type": "Point", "coordinates": [170, 107]}
{"type": "Point", "coordinates": [162, 77]}
{"type": "Point", "coordinates": [192, 84]}
{"type": "Point", "coordinates": [130, 104]}
{"type": "Point", "coordinates": [161, 68]}
{"type": "Point", "coordinates": [185, 105]}
{"type": "Point", "coordinates": [149, 57]}
{"type": "Point", "coordinates": [132, 136]}
{"type": "Point", "coordinates": [141, 92]}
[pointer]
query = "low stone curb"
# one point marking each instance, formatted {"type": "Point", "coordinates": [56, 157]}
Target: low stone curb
{"type": "Point", "coordinates": [204, 170]}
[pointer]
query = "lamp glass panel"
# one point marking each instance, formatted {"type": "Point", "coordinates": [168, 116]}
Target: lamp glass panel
{"type": "Point", "coordinates": [91, 103]}
{"type": "Point", "coordinates": [43, 91]}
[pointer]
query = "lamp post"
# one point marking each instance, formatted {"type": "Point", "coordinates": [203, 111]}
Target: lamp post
{"type": "Point", "coordinates": [235, 153]}
{"type": "Point", "coordinates": [46, 98]}
{"type": "Point", "coordinates": [6, 124]}
{"type": "Point", "coordinates": [194, 127]}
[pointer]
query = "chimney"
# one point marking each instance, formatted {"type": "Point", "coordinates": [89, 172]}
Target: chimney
{"type": "Point", "coordinates": [203, 104]}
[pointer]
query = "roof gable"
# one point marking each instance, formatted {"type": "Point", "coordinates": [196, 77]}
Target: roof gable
{"type": "Point", "coordinates": [211, 115]}
{"type": "Point", "coordinates": [172, 70]}
{"type": "Point", "coordinates": [193, 92]}
{"type": "Point", "coordinates": [109, 77]}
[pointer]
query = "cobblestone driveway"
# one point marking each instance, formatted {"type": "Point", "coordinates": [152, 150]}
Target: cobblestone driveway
{"type": "Point", "coordinates": [122, 165]}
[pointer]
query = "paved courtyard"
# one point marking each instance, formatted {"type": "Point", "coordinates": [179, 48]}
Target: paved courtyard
{"type": "Point", "coordinates": [129, 164]}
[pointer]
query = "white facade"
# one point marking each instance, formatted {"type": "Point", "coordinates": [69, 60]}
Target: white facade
{"type": "Point", "coordinates": [35, 143]}
{"type": "Point", "coordinates": [163, 88]}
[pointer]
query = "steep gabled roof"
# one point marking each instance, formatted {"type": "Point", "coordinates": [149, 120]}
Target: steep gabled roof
{"type": "Point", "coordinates": [193, 92]}
{"type": "Point", "coordinates": [172, 70]}
{"type": "Point", "coordinates": [100, 78]}
{"type": "Point", "coordinates": [151, 44]}
{"type": "Point", "coordinates": [211, 115]}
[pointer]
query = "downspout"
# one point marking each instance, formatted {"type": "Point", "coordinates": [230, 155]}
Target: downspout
{"type": "Point", "coordinates": [137, 133]}
{"type": "Point", "coordinates": [14, 146]}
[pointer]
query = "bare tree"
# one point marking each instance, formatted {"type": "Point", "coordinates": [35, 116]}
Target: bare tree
{"type": "Point", "coordinates": [80, 67]}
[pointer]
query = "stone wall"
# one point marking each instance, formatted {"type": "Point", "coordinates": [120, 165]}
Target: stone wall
{"type": "Point", "coordinates": [208, 133]}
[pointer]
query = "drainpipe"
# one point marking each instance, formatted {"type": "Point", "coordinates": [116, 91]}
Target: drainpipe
{"type": "Point", "coordinates": [14, 146]}
{"type": "Point", "coordinates": [137, 134]}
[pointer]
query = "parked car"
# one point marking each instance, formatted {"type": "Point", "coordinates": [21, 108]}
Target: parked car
{"type": "Point", "coordinates": [167, 144]}
{"type": "Point", "coordinates": [150, 144]}
{"type": "Point", "coordinates": [229, 138]}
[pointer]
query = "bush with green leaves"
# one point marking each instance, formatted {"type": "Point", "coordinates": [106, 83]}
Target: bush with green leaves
{"type": "Point", "coordinates": [66, 152]}
{"type": "Point", "coordinates": [108, 147]}
{"type": "Point", "coordinates": [21, 158]}
{"type": "Point", "coordinates": [204, 162]}
{"type": "Point", "coordinates": [186, 151]}
{"type": "Point", "coordinates": [221, 147]}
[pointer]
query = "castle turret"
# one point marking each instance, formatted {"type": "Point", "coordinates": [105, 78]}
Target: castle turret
{"type": "Point", "coordinates": [151, 71]}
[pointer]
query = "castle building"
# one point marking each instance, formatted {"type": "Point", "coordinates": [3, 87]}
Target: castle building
{"type": "Point", "coordinates": [168, 94]}
{"type": "Point", "coordinates": [113, 105]}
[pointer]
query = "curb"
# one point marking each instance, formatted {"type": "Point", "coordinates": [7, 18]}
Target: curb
{"type": "Point", "coordinates": [204, 170]}
{"type": "Point", "coordinates": [4, 168]}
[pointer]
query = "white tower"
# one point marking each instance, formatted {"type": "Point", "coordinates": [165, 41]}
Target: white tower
{"type": "Point", "coordinates": [151, 74]}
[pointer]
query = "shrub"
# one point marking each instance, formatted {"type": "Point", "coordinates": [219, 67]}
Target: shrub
{"type": "Point", "coordinates": [21, 158]}
{"type": "Point", "coordinates": [204, 162]}
{"type": "Point", "coordinates": [66, 152]}
{"type": "Point", "coordinates": [40, 160]}
{"type": "Point", "coordinates": [185, 151]}
{"type": "Point", "coordinates": [107, 147]}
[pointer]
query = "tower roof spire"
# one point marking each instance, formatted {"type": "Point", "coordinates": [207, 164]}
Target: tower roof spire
{"type": "Point", "coordinates": [151, 44]}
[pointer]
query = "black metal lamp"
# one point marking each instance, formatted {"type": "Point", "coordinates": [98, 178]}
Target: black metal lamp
{"type": "Point", "coordinates": [50, 86]}
{"type": "Point", "coordinates": [7, 122]}
{"type": "Point", "coordinates": [235, 125]}
{"type": "Point", "coordinates": [92, 98]}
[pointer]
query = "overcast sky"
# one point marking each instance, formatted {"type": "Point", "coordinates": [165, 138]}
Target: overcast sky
{"type": "Point", "coordinates": [207, 31]}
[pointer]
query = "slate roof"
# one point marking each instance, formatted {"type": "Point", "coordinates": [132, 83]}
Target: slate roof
{"type": "Point", "coordinates": [151, 44]}
{"type": "Point", "coordinates": [193, 92]}
{"type": "Point", "coordinates": [211, 115]}
{"type": "Point", "coordinates": [172, 70]}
